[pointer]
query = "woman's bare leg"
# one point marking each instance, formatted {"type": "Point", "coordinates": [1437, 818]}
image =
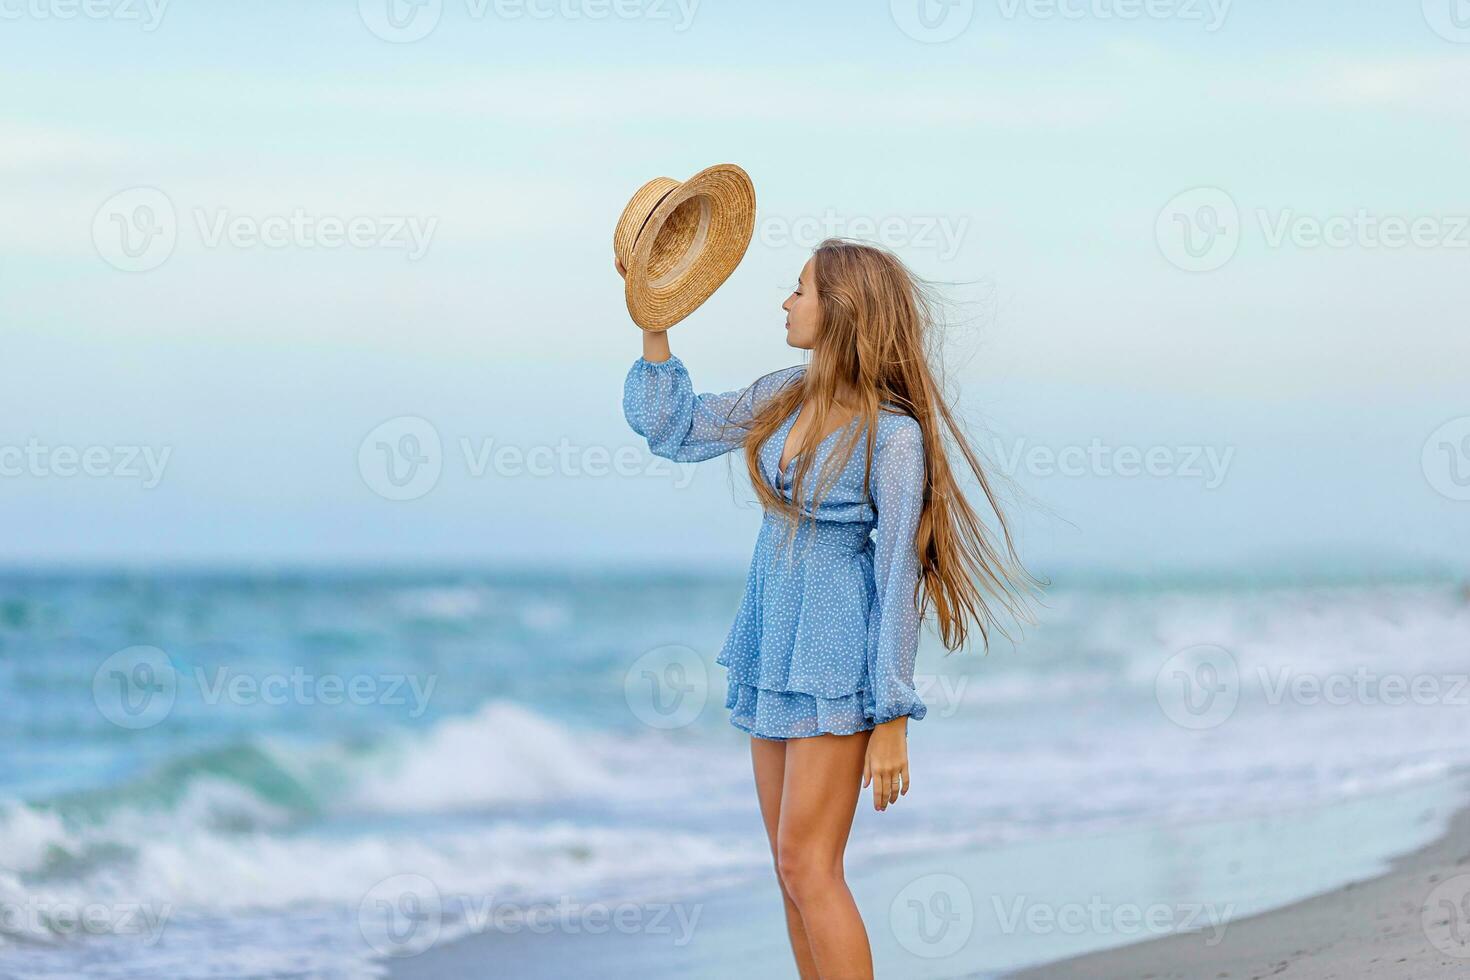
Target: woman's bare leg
{"type": "Point", "coordinates": [819, 792]}
{"type": "Point", "coordinates": [768, 758]}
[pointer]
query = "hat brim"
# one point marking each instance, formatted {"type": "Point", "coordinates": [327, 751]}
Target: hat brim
{"type": "Point", "coordinates": [721, 199]}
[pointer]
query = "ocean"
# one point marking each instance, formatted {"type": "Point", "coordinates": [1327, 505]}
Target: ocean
{"type": "Point", "coordinates": [312, 774]}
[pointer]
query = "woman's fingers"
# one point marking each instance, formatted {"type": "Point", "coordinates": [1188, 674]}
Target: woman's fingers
{"type": "Point", "coordinates": [886, 789]}
{"type": "Point", "coordinates": [888, 786]}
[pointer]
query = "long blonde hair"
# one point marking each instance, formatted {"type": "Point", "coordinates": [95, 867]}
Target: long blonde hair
{"type": "Point", "coordinates": [874, 339]}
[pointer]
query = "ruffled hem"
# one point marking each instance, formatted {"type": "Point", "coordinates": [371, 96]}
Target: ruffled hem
{"type": "Point", "coordinates": [780, 715]}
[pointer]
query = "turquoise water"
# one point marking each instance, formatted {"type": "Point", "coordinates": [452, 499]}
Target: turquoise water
{"type": "Point", "coordinates": [225, 772]}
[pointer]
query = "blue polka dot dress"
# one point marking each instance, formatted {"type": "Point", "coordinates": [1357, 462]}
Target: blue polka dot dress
{"type": "Point", "coordinates": [826, 633]}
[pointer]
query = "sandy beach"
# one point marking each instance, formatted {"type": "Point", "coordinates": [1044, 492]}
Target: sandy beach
{"type": "Point", "coordinates": [1373, 928]}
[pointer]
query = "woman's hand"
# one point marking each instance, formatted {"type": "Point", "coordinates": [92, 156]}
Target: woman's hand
{"type": "Point", "coordinates": [887, 763]}
{"type": "Point", "coordinates": [655, 342]}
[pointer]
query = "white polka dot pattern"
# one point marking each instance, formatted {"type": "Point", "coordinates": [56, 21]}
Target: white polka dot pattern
{"type": "Point", "coordinates": [826, 633]}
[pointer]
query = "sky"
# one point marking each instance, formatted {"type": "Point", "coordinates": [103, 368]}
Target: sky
{"type": "Point", "coordinates": [1207, 264]}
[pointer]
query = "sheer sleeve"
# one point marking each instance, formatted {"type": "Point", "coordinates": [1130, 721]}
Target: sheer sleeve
{"type": "Point", "coordinates": [898, 480]}
{"type": "Point", "coordinates": [660, 404]}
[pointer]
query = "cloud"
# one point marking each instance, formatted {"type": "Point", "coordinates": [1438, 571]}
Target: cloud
{"type": "Point", "coordinates": [31, 148]}
{"type": "Point", "coordinates": [1420, 86]}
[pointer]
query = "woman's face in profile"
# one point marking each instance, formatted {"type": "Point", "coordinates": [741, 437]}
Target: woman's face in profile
{"type": "Point", "coordinates": [803, 314]}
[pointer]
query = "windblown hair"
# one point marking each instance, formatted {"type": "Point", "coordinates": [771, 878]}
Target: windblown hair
{"type": "Point", "coordinates": [873, 344]}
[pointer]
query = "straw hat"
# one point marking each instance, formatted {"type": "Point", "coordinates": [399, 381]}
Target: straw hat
{"type": "Point", "coordinates": [680, 241]}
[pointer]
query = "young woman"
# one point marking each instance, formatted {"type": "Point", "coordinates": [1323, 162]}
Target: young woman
{"type": "Point", "coordinates": [820, 658]}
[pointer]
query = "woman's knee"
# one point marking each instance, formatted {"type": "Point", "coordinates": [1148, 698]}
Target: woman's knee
{"type": "Point", "coordinates": [804, 874]}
